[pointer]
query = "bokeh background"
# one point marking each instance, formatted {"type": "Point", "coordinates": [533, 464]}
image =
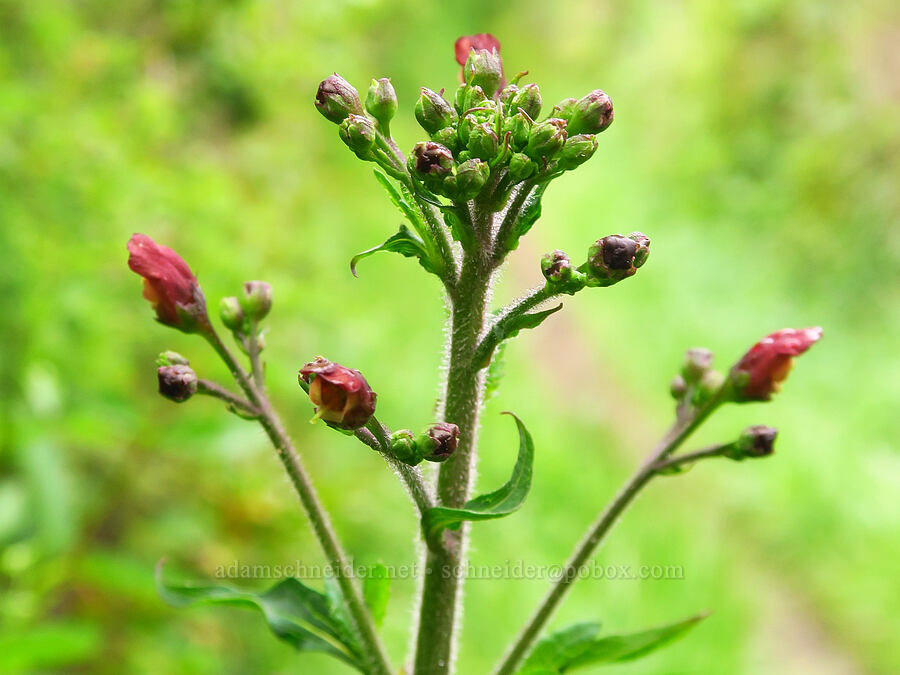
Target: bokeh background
{"type": "Point", "coordinates": [755, 142]}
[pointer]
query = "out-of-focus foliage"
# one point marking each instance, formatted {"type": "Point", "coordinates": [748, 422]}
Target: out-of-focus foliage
{"type": "Point", "coordinates": [755, 142]}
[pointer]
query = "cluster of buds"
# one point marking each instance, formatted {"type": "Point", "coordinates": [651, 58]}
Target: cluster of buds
{"type": "Point", "coordinates": [610, 260]}
{"type": "Point", "coordinates": [435, 444]}
{"type": "Point", "coordinates": [241, 314]}
{"type": "Point", "coordinates": [339, 102]}
{"type": "Point", "coordinates": [698, 381]}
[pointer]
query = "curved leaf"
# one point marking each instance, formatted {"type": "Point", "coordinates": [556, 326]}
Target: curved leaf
{"type": "Point", "coordinates": [508, 327]}
{"type": "Point", "coordinates": [578, 646]}
{"type": "Point", "coordinates": [296, 614]}
{"type": "Point", "coordinates": [406, 244]}
{"type": "Point", "coordinates": [495, 504]}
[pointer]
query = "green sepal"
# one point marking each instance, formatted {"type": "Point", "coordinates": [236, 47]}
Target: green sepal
{"type": "Point", "coordinates": [495, 504]}
{"type": "Point", "coordinates": [578, 646]}
{"type": "Point", "coordinates": [531, 211]}
{"type": "Point", "coordinates": [406, 244]}
{"type": "Point", "coordinates": [296, 614]}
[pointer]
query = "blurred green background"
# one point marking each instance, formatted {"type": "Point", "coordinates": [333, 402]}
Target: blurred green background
{"type": "Point", "coordinates": [756, 142]}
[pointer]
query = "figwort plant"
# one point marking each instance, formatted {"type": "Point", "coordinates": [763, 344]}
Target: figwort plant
{"type": "Point", "coordinates": [469, 191]}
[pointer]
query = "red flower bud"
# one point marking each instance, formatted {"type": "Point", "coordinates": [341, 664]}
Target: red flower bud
{"type": "Point", "coordinates": [342, 396]}
{"type": "Point", "coordinates": [169, 284]}
{"type": "Point", "coordinates": [441, 441]}
{"type": "Point", "coordinates": [761, 370]}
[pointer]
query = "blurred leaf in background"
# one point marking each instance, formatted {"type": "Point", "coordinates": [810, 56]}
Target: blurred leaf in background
{"type": "Point", "coordinates": [755, 142]}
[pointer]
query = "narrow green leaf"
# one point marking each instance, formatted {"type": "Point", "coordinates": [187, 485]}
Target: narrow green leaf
{"type": "Point", "coordinates": [512, 327]}
{"type": "Point", "coordinates": [495, 504]}
{"type": "Point", "coordinates": [405, 202]}
{"type": "Point", "coordinates": [376, 591]}
{"type": "Point", "coordinates": [296, 614]}
{"type": "Point", "coordinates": [406, 244]}
{"type": "Point", "coordinates": [495, 372]}
{"type": "Point", "coordinates": [578, 646]}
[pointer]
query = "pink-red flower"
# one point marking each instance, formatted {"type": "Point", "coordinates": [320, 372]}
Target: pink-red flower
{"type": "Point", "coordinates": [761, 370]}
{"type": "Point", "coordinates": [485, 67]}
{"type": "Point", "coordinates": [341, 395]}
{"type": "Point", "coordinates": [469, 42]}
{"type": "Point", "coordinates": [169, 284]}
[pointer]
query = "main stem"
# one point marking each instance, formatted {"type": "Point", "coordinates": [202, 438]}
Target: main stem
{"type": "Point", "coordinates": [373, 651]}
{"type": "Point", "coordinates": [442, 585]}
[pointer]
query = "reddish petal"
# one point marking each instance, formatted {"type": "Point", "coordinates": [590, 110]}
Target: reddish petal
{"type": "Point", "coordinates": [469, 42]}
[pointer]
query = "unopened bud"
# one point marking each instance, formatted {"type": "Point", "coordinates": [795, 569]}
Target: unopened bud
{"type": "Point", "coordinates": [755, 441]}
{"type": "Point", "coordinates": [759, 373]}
{"type": "Point", "coordinates": [177, 383]}
{"type": "Point", "coordinates": [565, 108]}
{"type": "Point", "coordinates": [231, 313]}
{"type": "Point", "coordinates": [381, 101]}
{"type": "Point", "coordinates": [336, 99]}
{"type": "Point", "coordinates": [697, 361]}
{"type": "Point", "coordinates": [521, 166]}
{"type": "Point", "coordinates": [471, 177]}
{"type": "Point", "coordinates": [170, 358]}
{"type": "Point", "coordinates": [577, 150]}
{"type": "Point", "coordinates": [358, 132]}
{"type": "Point", "coordinates": [257, 299]}
{"type": "Point", "coordinates": [439, 442]}
{"type": "Point", "coordinates": [527, 99]}
{"type": "Point", "coordinates": [678, 387]}
{"type": "Point", "coordinates": [433, 112]}
{"type": "Point", "coordinates": [643, 247]}
{"type": "Point", "coordinates": [612, 258]}
{"type": "Point", "coordinates": [556, 267]}
{"type": "Point", "coordinates": [431, 159]}
{"type": "Point", "coordinates": [341, 395]}
{"type": "Point", "coordinates": [592, 114]}
{"type": "Point", "coordinates": [518, 127]}
{"type": "Point", "coordinates": [484, 68]}
{"type": "Point", "coordinates": [447, 137]}
{"type": "Point", "coordinates": [483, 141]}
{"type": "Point", "coordinates": [403, 447]}
{"type": "Point", "coordinates": [546, 139]}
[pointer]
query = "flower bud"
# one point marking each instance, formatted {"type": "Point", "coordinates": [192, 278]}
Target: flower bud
{"type": "Point", "coordinates": [467, 43]}
{"type": "Point", "coordinates": [433, 112]}
{"type": "Point", "coordinates": [484, 68]}
{"type": "Point", "coordinates": [336, 99]}
{"type": "Point", "coordinates": [643, 247]}
{"type": "Point", "coordinates": [577, 150]}
{"type": "Point", "coordinates": [678, 387]}
{"type": "Point", "coordinates": [447, 137]}
{"type": "Point", "coordinates": [381, 101]}
{"type": "Point", "coordinates": [342, 396]}
{"type": "Point", "coordinates": [403, 447]}
{"type": "Point", "coordinates": [755, 441]}
{"type": "Point", "coordinates": [358, 132]}
{"type": "Point", "coordinates": [438, 442]}
{"type": "Point", "coordinates": [546, 139]}
{"type": "Point", "coordinates": [472, 97]}
{"type": "Point", "coordinates": [471, 177]}
{"type": "Point", "coordinates": [527, 99]}
{"type": "Point", "coordinates": [697, 361]}
{"type": "Point", "coordinates": [592, 114]}
{"type": "Point", "coordinates": [483, 142]}
{"type": "Point", "coordinates": [710, 383]}
{"type": "Point", "coordinates": [506, 96]}
{"type": "Point", "coordinates": [257, 299]}
{"type": "Point", "coordinates": [169, 285]}
{"type": "Point", "coordinates": [556, 267]}
{"type": "Point", "coordinates": [760, 372]}
{"type": "Point", "coordinates": [521, 166]}
{"type": "Point", "coordinates": [565, 108]}
{"type": "Point", "coordinates": [177, 383]}
{"type": "Point", "coordinates": [170, 358]}
{"type": "Point", "coordinates": [231, 313]}
{"type": "Point", "coordinates": [518, 127]}
{"type": "Point", "coordinates": [431, 159]}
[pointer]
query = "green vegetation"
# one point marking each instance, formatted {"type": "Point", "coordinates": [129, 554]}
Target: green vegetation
{"type": "Point", "coordinates": [756, 143]}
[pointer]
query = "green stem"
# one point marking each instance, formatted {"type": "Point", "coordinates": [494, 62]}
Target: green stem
{"type": "Point", "coordinates": [441, 591]}
{"type": "Point", "coordinates": [598, 531]}
{"type": "Point", "coordinates": [691, 457]}
{"type": "Point", "coordinates": [377, 662]}
{"type": "Point", "coordinates": [210, 388]}
{"type": "Point", "coordinates": [494, 335]}
{"type": "Point", "coordinates": [253, 352]}
{"type": "Point", "coordinates": [509, 220]}
{"type": "Point", "coordinates": [410, 475]}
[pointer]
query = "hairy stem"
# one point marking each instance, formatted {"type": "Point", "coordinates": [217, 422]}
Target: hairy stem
{"type": "Point", "coordinates": [376, 658]}
{"type": "Point", "coordinates": [410, 475]}
{"type": "Point", "coordinates": [210, 388]}
{"type": "Point", "coordinates": [442, 585]}
{"type": "Point", "coordinates": [597, 532]}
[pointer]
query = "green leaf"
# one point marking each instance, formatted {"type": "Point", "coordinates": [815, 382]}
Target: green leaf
{"type": "Point", "coordinates": [495, 504]}
{"type": "Point", "coordinates": [495, 372]}
{"type": "Point", "coordinates": [406, 244]}
{"type": "Point", "coordinates": [531, 211]}
{"type": "Point", "coordinates": [405, 202]}
{"type": "Point", "coordinates": [508, 327]}
{"type": "Point", "coordinates": [296, 614]}
{"type": "Point", "coordinates": [578, 646]}
{"type": "Point", "coordinates": [376, 591]}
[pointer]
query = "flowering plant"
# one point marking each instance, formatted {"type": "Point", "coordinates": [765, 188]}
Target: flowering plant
{"type": "Point", "coordinates": [469, 192]}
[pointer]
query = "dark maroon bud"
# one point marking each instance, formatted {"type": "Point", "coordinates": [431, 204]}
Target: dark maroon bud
{"type": "Point", "coordinates": [755, 441]}
{"type": "Point", "coordinates": [431, 159]}
{"type": "Point", "coordinates": [439, 442]}
{"type": "Point", "coordinates": [556, 267]}
{"type": "Point", "coordinates": [336, 99]}
{"type": "Point", "coordinates": [618, 252]}
{"type": "Point", "coordinates": [613, 258]}
{"type": "Point", "coordinates": [177, 383]}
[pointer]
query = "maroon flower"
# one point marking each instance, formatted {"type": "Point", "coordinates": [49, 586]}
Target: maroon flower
{"type": "Point", "coordinates": [342, 396]}
{"type": "Point", "coordinates": [761, 370]}
{"type": "Point", "coordinates": [169, 284]}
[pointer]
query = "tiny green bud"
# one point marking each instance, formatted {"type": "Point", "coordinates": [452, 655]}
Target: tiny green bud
{"type": "Point", "coordinates": [546, 139]}
{"type": "Point", "coordinates": [521, 166]}
{"type": "Point", "coordinates": [177, 383]}
{"type": "Point", "coordinates": [556, 267]}
{"type": "Point", "coordinates": [528, 99]}
{"type": "Point", "coordinates": [431, 159]}
{"type": "Point", "coordinates": [755, 441]}
{"type": "Point", "coordinates": [678, 388]}
{"type": "Point", "coordinates": [565, 108]}
{"type": "Point", "coordinates": [403, 447]}
{"type": "Point", "coordinates": [433, 112]}
{"type": "Point", "coordinates": [257, 299]}
{"type": "Point", "coordinates": [336, 98]}
{"type": "Point", "coordinates": [710, 383]}
{"type": "Point", "coordinates": [518, 126]}
{"type": "Point", "coordinates": [170, 358]}
{"type": "Point", "coordinates": [358, 132]}
{"type": "Point", "coordinates": [592, 114]}
{"type": "Point", "coordinates": [474, 98]}
{"type": "Point", "coordinates": [697, 361]}
{"type": "Point", "coordinates": [381, 101]}
{"type": "Point", "coordinates": [484, 68]}
{"type": "Point", "coordinates": [446, 137]}
{"type": "Point", "coordinates": [231, 313]}
{"type": "Point", "coordinates": [471, 176]}
{"type": "Point", "coordinates": [507, 95]}
{"type": "Point", "coordinates": [483, 141]}
{"type": "Point", "coordinates": [577, 150]}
